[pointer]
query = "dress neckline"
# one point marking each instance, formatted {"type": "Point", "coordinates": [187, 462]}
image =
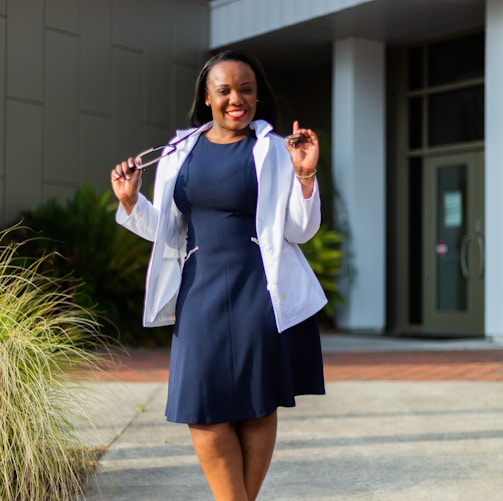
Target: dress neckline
{"type": "Point", "coordinates": [251, 135]}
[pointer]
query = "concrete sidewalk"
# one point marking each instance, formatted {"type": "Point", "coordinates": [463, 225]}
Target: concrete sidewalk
{"type": "Point", "coordinates": [364, 440]}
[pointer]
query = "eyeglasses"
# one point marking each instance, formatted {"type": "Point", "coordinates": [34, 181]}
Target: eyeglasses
{"type": "Point", "coordinates": [151, 157]}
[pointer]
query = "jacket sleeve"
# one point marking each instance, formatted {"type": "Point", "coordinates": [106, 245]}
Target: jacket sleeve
{"type": "Point", "coordinates": [143, 220]}
{"type": "Point", "coordinates": [303, 215]}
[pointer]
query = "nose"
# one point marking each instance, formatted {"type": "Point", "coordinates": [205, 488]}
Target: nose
{"type": "Point", "coordinates": [236, 98]}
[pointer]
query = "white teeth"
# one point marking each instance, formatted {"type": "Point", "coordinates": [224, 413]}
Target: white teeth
{"type": "Point", "coordinates": [237, 113]}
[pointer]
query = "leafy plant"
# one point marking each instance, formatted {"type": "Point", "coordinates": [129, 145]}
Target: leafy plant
{"type": "Point", "coordinates": [325, 257]}
{"type": "Point", "coordinates": [87, 244]}
{"type": "Point", "coordinates": [92, 247]}
{"type": "Point", "coordinates": [328, 193]}
{"type": "Point", "coordinates": [324, 252]}
{"type": "Point", "coordinates": [43, 336]}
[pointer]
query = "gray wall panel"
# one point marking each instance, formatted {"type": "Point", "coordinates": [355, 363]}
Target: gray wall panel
{"type": "Point", "coordinates": [157, 95]}
{"type": "Point", "coordinates": [25, 45]}
{"type": "Point", "coordinates": [183, 86]}
{"type": "Point", "coordinates": [189, 33]}
{"type": "Point", "coordinates": [87, 83]}
{"type": "Point", "coordinates": [2, 96]}
{"type": "Point", "coordinates": [24, 158]}
{"type": "Point", "coordinates": [61, 120]}
{"type": "Point", "coordinates": [127, 105]}
{"type": "Point", "coordinates": [159, 49]}
{"type": "Point", "coordinates": [60, 192]}
{"type": "Point", "coordinates": [96, 157]}
{"type": "Point", "coordinates": [2, 195]}
{"type": "Point", "coordinates": [128, 24]}
{"type": "Point", "coordinates": [63, 15]}
{"type": "Point", "coordinates": [96, 55]}
{"type": "Point", "coordinates": [156, 135]}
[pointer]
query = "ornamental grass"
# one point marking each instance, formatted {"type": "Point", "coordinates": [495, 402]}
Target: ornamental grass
{"type": "Point", "coordinates": [44, 335]}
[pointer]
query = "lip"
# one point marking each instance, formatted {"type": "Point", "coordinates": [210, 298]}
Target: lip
{"type": "Point", "coordinates": [237, 114]}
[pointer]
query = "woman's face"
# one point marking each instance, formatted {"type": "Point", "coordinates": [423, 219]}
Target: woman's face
{"type": "Point", "coordinates": [231, 91]}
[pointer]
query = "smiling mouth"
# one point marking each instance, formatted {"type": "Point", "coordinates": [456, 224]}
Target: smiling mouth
{"type": "Point", "coordinates": [237, 114]}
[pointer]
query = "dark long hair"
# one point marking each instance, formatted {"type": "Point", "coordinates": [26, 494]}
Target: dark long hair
{"type": "Point", "coordinates": [267, 107]}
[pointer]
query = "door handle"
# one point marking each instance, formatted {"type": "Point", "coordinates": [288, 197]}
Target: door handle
{"type": "Point", "coordinates": [462, 256]}
{"type": "Point", "coordinates": [481, 242]}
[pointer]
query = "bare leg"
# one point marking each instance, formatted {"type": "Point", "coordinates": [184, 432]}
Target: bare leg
{"type": "Point", "coordinates": [257, 437]}
{"type": "Point", "coordinates": [219, 451]}
{"type": "Point", "coordinates": [235, 457]}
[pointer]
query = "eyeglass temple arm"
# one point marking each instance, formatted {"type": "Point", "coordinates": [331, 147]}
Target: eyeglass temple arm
{"type": "Point", "coordinates": [142, 165]}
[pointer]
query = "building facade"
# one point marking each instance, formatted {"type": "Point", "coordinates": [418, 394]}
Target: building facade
{"type": "Point", "coordinates": [405, 93]}
{"type": "Point", "coordinates": [86, 83]}
{"type": "Point", "coordinates": [411, 90]}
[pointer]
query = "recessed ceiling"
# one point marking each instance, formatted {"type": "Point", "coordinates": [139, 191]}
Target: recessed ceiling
{"type": "Point", "coordinates": [395, 22]}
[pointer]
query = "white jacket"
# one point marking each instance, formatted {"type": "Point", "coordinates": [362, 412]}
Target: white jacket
{"type": "Point", "coordinates": [284, 219]}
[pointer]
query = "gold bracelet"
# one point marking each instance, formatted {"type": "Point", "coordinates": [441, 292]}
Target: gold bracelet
{"type": "Point", "coordinates": [308, 176]}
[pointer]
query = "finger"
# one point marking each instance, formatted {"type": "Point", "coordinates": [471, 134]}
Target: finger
{"type": "Point", "coordinates": [312, 135]}
{"type": "Point", "coordinates": [293, 140]}
{"type": "Point", "coordinates": [131, 163]}
{"type": "Point", "coordinates": [129, 166]}
{"type": "Point", "coordinates": [309, 136]}
{"type": "Point", "coordinates": [118, 173]}
{"type": "Point", "coordinates": [124, 170]}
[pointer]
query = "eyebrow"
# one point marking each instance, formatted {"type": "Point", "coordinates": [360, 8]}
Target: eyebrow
{"type": "Point", "coordinates": [244, 83]}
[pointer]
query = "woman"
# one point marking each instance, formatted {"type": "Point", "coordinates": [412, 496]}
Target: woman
{"type": "Point", "coordinates": [230, 205]}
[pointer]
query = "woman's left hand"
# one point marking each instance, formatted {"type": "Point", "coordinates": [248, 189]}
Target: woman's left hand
{"type": "Point", "coordinates": [304, 156]}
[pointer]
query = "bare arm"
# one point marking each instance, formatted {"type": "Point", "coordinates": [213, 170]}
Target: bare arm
{"type": "Point", "coordinates": [304, 156]}
{"type": "Point", "coordinates": [126, 183]}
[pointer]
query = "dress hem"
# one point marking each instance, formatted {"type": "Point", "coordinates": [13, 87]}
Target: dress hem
{"type": "Point", "coordinates": [259, 416]}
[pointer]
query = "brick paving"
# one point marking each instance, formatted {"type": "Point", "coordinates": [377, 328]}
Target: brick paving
{"type": "Point", "coordinates": [141, 365]}
{"type": "Point", "coordinates": [484, 365]}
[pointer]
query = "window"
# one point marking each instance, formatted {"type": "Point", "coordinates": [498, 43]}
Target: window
{"type": "Point", "coordinates": [446, 90]}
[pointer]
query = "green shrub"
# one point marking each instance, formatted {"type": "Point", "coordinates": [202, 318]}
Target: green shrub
{"type": "Point", "coordinates": [87, 244]}
{"type": "Point", "coordinates": [43, 335]}
{"type": "Point", "coordinates": [92, 247]}
{"type": "Point", "coordinates": [325, 257]}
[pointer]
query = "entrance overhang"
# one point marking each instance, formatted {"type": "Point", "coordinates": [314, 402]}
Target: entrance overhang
{"type": "Point", "coordinates": [308, 42]}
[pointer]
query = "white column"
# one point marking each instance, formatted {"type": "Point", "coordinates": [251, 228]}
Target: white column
{"type": "Point", "coordinates": [359, 171]}
{"type": "Point", "coordinates": [494, 170]}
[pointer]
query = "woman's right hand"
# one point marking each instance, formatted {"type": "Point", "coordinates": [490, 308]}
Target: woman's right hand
{"type": "Point", "coordinates": [126, 183]}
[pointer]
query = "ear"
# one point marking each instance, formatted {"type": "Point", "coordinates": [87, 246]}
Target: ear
{"type": "Point", "coordinates": [207, 101]}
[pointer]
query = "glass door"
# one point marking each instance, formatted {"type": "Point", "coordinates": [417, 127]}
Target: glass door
{"type": "Point", "coordinates": [453, 252]}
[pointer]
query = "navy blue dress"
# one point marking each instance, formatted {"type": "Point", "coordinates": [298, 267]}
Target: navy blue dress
{"type": "Point", "coordinates": [228, 361]}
